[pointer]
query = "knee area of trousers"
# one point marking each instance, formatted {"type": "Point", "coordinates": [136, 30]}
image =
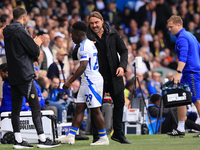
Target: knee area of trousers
{"type": "Point", "coordinates": [119, 103]}
{"type": "Point", "coordinates": [118, 106]}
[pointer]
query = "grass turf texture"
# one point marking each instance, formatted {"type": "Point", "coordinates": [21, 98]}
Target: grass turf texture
{"type": "Point", "coordinates": [139, 142]}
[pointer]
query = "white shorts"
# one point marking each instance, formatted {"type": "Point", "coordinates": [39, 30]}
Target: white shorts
{"type": "Point", "coordinates": [91, 95]}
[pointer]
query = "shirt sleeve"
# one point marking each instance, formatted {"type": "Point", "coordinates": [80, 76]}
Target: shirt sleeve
{"type": "Point", "coordinates": [29, 44]}
{"type": "Point", "coordinates": [83, 54]}
{"type": "Point", "coordinates": [182, 44]}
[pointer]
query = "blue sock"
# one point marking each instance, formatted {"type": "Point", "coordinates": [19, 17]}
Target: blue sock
{"type": "Point", "coordinates": [102, 133]}
{"type": "Point", "coordinates": [73, 131]}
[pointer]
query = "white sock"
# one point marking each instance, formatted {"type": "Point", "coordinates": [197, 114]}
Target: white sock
{"type": "Point", "coordinates": [104, 137]}
{"type": "Point", "coordinates": [18, 137]}
{"type": "Point", "coordinates": [71, 135]}
{"type": "Point", "coordinates": [198, 120]}
{"type": "Point", "coordinates": [181, 126]}
{"type": "Point", "coordinates": [42, 137]}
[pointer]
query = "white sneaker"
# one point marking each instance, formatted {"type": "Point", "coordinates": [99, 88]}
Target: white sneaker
{"type": "Point", "coordinates": [67, 139]}
{"type": "Point", "coordinates": [101, 141]}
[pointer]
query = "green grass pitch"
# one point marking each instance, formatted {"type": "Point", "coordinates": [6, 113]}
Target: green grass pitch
{"type": "Point", "coordinates": [139, 142]}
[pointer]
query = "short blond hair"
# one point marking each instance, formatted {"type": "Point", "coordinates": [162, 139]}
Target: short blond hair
{"type": "Point", "coordinates": [175, 19]}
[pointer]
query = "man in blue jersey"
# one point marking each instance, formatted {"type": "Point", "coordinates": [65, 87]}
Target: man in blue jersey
{"type": "Point", "coordinates": [91, 89]}
{"type": "Point", "coordinates": [187, 50]}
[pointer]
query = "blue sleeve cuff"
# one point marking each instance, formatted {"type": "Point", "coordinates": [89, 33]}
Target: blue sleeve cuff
{"type": "Point", "coordinates": [182, 59]}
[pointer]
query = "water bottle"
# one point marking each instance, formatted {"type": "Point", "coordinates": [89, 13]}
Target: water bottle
{"type": "Point", "coordinates": [64, 116]}
{"type": "Point", "coordinates": [59, 128]}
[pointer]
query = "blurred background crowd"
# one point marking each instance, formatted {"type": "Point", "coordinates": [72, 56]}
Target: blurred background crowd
{"type": "Point", "coordinates": [140, 23]}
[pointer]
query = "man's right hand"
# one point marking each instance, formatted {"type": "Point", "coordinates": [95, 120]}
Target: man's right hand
{"type": "Point", "coordinates": [66, 86]}
{"type": "Point", "coordinates": [39, 40]}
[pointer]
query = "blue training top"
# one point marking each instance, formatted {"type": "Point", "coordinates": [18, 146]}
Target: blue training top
{"type": "Point", "coordinates": [188, 50]}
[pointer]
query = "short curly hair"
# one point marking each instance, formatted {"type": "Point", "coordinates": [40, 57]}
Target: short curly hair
{"type": "Point", "coordinates": [80, 26]}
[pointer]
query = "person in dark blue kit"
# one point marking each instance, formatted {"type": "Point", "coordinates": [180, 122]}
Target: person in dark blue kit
{"type": "Point", "coordinates": [187, 49]}
{"type": "Point", "coordinates": [6, 104]}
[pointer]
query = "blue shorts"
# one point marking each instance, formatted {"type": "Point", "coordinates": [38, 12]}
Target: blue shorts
{"type": "Point", "coordinates": [194, 82]}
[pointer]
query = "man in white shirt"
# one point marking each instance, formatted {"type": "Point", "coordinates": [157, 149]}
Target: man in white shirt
{"type": "Point", "coordinates": [48, 56]}
{"type": "Point", "coordinates": [58, 44]}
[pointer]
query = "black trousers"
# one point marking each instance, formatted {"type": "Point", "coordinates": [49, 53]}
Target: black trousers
{"type": "Point", "coordinates": [27, 90]}
{"type": "Point", "coordinates": [118, 101]}
{"type": "Point", "coordinates": [170, 122]}
{"type": "Point", "coordinates": [191, 125]}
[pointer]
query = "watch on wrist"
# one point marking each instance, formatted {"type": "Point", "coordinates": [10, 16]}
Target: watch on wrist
{"type": "Point", "coordinates": [178, 71]}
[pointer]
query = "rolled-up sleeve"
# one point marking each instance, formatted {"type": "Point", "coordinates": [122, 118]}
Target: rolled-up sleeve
{"type": "Point", "coordinates": [183, 48]}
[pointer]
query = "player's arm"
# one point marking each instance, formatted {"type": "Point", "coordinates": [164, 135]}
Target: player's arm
{"type": "Point", "coordinates": [181, 65]}
{"type": "Point", "coordinates": [177, 75]}
{"type": "Point", "coordinates": [122, 50]}
{"type": "Point", "coordinates": [183, 48]}
{"type": "Point", "coordinates": [77, 74]}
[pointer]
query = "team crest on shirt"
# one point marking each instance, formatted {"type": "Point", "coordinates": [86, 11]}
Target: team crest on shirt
{"type": "Point", "coordinates": [32, 96]}
{"type": "Point", "coordinates": [152, 84]}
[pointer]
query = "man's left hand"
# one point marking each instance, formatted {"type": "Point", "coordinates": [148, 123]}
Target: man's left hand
{"type": "Point", "coordinates": [177, 78]}
{"type": "Point", "coordinates": [66, 86]}
{"type": "Point", "coordinates": [120, 72]}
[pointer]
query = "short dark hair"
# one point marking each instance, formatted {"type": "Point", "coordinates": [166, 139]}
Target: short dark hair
{"type": "Point", "coordinates": [18, 13]}
{"type": "Point", "coordinates": [154, 98]}
{"type": "Point", "coordinates": [5, 68]}
{"type": "Point", "coordinates": [54, 77]}
{"type": "Point", "coordinates": [80, 26]}
{"type": "Point", "coordinates": [2, 65]}
{"type": "Point", "coordinates": [57, 37]}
